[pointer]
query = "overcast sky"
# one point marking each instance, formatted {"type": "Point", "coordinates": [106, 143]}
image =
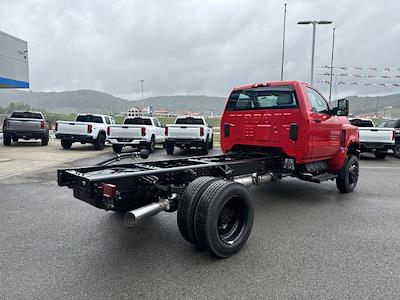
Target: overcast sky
{"type": "Point", "coordinates": [198, 46]}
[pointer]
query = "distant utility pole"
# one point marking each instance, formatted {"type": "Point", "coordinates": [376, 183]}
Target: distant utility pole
{"type": "Point", "coordinates": [283, 41]}
{"type": "Point", "coordinates": [142, 81]}
{"type": "Point", "coordinates": [333, 49]}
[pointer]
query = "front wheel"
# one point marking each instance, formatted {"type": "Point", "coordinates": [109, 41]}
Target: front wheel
{"type": "Point", "coordinates": [100, 142]}
{"type": "Point", "coordinates": [205, 147]}
{"type": "Point", "coordinates": [170, 148]}
{"type": "Point", "coordinates": [380, 155]}
{"type": "Point", "coordinates": [348, 177]}
{"type": "Point", "coordinates": [117, 148]}
{"type": "Point", "coordinates": [6, 140]}
{"type": "Point", "coordinates": [396, 150]}
{"type": "Point", "coordinates": [224, 217]}
{"type": "Point", "coordinates": [151, 146]}
{"type": "Point", "coordinates": [211, 146]}
{"type": "Point", "coordinates": [66, 144]}
{"type": "Point", "coordinates": [45, 141]}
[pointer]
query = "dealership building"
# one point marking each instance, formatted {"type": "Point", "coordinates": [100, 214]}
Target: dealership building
{"type": "Point", "coordinates": [14, 72]}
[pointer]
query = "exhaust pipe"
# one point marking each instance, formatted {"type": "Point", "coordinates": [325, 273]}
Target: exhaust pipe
{"type": "Point", "coordinates": [134, 216]}
{"type": "Point", "coordinates": [253, 179]}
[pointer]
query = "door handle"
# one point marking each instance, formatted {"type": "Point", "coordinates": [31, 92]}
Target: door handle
{"type": "Point", "coordinates": [317, 120]}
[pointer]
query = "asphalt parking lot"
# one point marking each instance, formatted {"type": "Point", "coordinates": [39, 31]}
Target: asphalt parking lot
{"type": "Point", "coordinates": [308, 241]}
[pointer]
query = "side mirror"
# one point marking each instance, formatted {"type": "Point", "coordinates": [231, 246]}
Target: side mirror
{"type": "Point", "coordinates": [210, 126]}
{"type": "Point", "coordinates": [342, 108]}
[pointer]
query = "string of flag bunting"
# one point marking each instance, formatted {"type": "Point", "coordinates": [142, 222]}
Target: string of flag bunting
{"type": "Point", "coordinates": [391, 69]}
{"type": "Point", "coordinates": [360, 75]}
{"type": "Point", "coordinates": [361, 83]}
{"type": "Point", "coordinates": [379, 74]}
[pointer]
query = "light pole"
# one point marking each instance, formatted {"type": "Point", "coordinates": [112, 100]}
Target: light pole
{"type": "Point", "coordinates": [314, 23]}
{"type": "Point", "coordinates": [283, 42]}
{"type": "Point", "coordinates": [333, 49]}
{"type": "Point", "coordinates": [142, 81]}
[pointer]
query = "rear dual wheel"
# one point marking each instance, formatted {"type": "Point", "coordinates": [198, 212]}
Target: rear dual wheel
{"type": "Point", "coordinates": [216, 214]}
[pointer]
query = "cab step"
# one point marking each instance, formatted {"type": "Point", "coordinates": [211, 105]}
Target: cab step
{"type": "Point", "coordinates": [318, 178]}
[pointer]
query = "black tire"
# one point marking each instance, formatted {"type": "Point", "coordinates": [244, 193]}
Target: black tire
{"type": "Point", "coordinates": [380, 155]}
{"type": "Point", "coordinates": [170, 148]}
{"type": "Point", "coordinates": [100, 142]}
{"type": "Point", "coordinates": [211, 146]}
{"type": "Point", "coordinates": [224, 217]}
{"type": "Point", "coordinates": [187, 207]}
{"type": "Point", "coordinates": [347, 179]}
{"type": "Point", "coordinates": [15, 139]}
{"type": "Point", "coordinates": [205, 147]}
{"type": "Point", "coordinates": [45, 141]}
{"type": "Point", "coordinates": [6, 140]}
{"type": "Point", "coordinates": [66, 144]}
{"type": "Point", "coordinates": [117, 148]}
{"type": "Point", "coordinates": [396, 150]}
{"type": "Point", "coordinates": [151, 146]}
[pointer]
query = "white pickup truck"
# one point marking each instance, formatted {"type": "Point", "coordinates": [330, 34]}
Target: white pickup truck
{"type": "Point", "coordinates": [137, 132]}
{"type": "Point", "coordinates": [189, 132]}
{"type": "Point", "coordinates": [374, 139]}
{"type": "Point", "coordinates": [87, 128]}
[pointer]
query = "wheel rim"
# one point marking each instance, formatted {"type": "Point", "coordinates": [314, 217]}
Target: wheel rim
{"type": "Point", "coordinates": [231, 220]}
{"type": "Point", "coordinates": [353, 174]}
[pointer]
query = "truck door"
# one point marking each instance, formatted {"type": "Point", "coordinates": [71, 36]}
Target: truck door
{"type": "Point", "coordinates": [325, 128]}
{"type": "Point", "coordinates": [159, 130]}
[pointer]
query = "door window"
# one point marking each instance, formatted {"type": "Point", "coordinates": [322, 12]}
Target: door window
{"type": "Point", "coordinates": [107, 119]}
{"type": "Point", "coordinates": [318, 104]}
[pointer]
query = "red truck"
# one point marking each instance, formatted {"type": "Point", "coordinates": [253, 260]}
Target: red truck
{"type": "Point", "coordinates": [269, 131]}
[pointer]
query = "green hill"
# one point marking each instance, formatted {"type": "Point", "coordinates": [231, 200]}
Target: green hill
{"type": "Point", "coordinates": [99, 102]}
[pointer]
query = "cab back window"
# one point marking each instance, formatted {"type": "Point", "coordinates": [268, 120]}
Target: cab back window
{"type": "Point", "coordinates": [26, 115]}
{"type": "Point", "coordinates": [262, 98]}
{"type": "Point", "coordinates": [361, 123]}
{"type": "Point", "coordinates": [137, 121]}
{"type": "Point", "coordinates": [189, 121]}
{"type": "Point", "coordinates": [89, 119]}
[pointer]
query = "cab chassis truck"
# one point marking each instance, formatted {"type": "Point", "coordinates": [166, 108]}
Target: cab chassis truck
{"type": "Point", "coordinates": [268, 131]}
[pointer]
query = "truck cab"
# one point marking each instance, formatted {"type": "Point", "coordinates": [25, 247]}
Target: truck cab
{"type": "Point", "coordinates": [290, 118]}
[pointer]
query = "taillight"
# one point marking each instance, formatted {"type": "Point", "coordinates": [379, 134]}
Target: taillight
{"type": "Point", "coordinates": [109, 190]}
{"type": "Point", "coordinates": [166, 130]}
{"type": "Point", "coordinates": [394, 135]}
{"type": "Point", "coordinates": [108, 130]}
{"type": "Point", "coordinates": [343, 139]}
{"type": "Point", "coordinates": [143, 131]}
{"type": "Point", "coordinates": [89, 129]}
{"type": "Point", "coordinates": [42, 125]}
{"type": "Point", "coordinates": [5, 123]}
{"type": "Point", "coordinates": [56, 126]}
{"type": "Point", "coordinates": [201, 131]}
